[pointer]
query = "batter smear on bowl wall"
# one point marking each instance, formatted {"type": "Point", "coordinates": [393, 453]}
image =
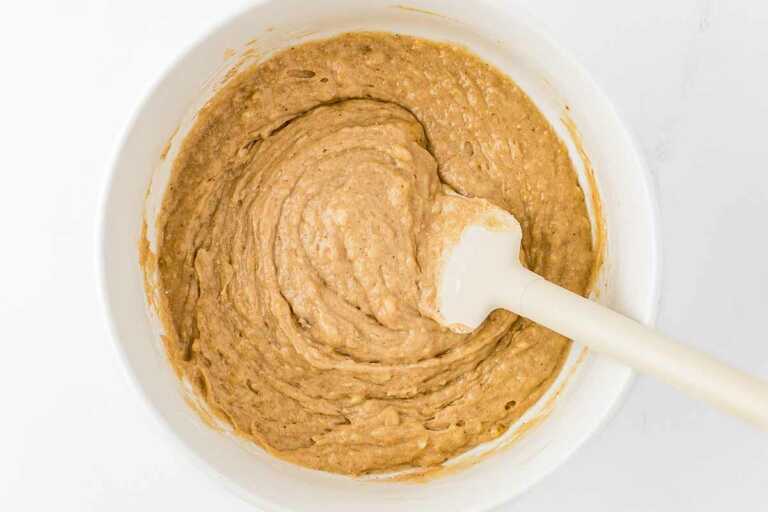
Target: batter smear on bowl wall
{"type": "Point", "coordinates": [296, 244]}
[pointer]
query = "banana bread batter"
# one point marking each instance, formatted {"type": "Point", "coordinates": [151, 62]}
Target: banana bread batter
{"type": "Point", "coordinates": [296, 251]}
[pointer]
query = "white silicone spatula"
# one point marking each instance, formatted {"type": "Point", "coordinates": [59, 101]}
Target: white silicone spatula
{"type": "Point", "coordinates": [482, 272]}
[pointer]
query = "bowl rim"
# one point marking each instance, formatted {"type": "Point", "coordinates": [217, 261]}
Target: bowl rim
{"type": "Point", "coordinates": [649, 192]}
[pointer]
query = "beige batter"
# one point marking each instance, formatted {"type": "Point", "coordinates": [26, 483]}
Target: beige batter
{"type": "Point", "coordinates": [299, 237]}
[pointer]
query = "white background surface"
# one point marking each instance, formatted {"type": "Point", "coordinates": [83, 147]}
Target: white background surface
{"type": "Point", "coordinates": [690, 79]}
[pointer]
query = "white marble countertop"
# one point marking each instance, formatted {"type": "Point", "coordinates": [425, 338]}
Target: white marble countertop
{"type": "Point", "coordinates": [690, 79]}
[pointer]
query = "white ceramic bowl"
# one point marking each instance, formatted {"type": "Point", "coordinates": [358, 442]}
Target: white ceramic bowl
{"type": "Point", "coordinates": [503, 35]}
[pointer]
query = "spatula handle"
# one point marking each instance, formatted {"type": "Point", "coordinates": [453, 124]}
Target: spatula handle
{"type": "Point", "coordinates": [636, 345]}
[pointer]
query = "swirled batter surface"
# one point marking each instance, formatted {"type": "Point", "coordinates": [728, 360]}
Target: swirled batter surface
{"type": "Point", "coordinates": [297, 248]}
